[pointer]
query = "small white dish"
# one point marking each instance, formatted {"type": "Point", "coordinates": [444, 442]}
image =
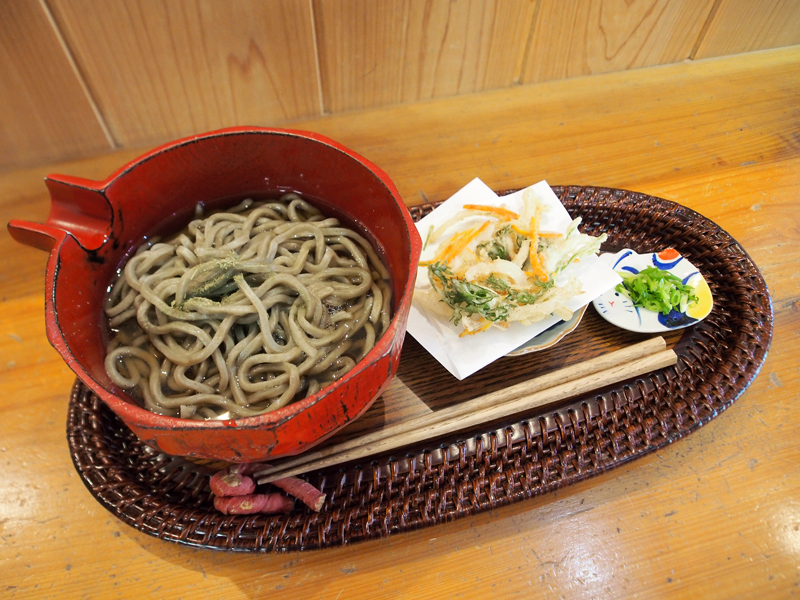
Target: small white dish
{"type": "Point", "coordinates": [618, 309]}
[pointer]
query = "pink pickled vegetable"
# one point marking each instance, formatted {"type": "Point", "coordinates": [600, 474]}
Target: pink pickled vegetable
{"type": "Point", "coordinates": [302, 490]}
{"type": "Point", "coordinates": [244, 468]}
{"type": "Point", "coordinates": [233, 489]}
{"type": "Point", "coordinates": [254, 503]}
{"type": "Point", "coordinates": [225, 483]}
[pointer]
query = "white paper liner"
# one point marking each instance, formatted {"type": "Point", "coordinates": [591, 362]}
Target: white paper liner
{"type": "Point", "coordinates": [463, 356]}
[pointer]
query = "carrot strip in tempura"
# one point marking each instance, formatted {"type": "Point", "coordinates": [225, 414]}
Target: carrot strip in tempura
{"type": "Point", "coordinates": [494, 210]}
{"type": "Point", "coordinates": [518, 230]}
{"type": "Point", "coordinates": [454, 249]}
{"type": "Point", "coordinates": [484, 327]}
{"type": "Point", "coordinates": [536, 265]}
{"type": "Point", "coordinates": [541, 234]}
{"type": "Point", "coordinates": [453, 241]}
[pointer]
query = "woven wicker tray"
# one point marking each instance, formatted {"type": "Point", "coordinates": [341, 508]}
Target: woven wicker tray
{"type": "Point", "coordinates": [496, 464]}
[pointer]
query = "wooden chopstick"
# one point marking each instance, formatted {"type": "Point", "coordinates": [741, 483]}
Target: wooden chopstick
{"type": "Point", "coordinates": [571, 373]}
{"type": "Point", "coordinates": [577, 379]}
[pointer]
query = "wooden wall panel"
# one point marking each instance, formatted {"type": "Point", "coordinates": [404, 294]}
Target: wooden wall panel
{"type": "Point", "coordinates": [147, 71]}
{"type": "Point", "coordinates": [585, 37]}
{"type": "Point", "coordinates": [747, 25]}
{"type": "Point", "coordinates": [44, 113]}
{"type": "Point", "coordinates": [162, 69]}
{"type": "Point", "coordinates": [398, 51]}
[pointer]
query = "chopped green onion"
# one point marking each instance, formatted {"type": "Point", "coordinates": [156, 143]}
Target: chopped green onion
{"type": "Point", "coordinates": [657, 290]}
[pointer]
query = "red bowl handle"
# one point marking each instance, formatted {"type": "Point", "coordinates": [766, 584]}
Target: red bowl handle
{"type": "Point", "coordinates": [78, 207]}
{"type": "Point", "coordinates": [36, 235]}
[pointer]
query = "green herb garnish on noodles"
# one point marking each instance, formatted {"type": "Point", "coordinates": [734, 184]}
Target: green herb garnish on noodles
{"type": "Point", "coordinates": [657, 290]}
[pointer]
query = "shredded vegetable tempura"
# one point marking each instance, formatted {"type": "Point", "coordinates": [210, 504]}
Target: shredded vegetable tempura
{"type": "Point", "coordinates": [504, 268]}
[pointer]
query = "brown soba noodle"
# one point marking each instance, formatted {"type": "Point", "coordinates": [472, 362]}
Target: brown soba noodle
{"type": "Point", "coordinates": [245, 311]}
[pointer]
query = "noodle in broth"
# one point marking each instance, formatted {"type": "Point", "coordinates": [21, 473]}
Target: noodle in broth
{"type": "Point", "coordinates": [245, 311]}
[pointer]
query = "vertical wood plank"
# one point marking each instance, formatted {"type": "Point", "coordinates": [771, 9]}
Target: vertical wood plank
{"type": "Point", "coordinates": [746, 25]}
{"type": "Point", "coordinates": [399, 51]}
{"type": "Point", "coordinates": [44, 113]}
{"type": "Point", "coordinates": [585, 37]}
{"type": "Point", "coordinates": [162, 69]}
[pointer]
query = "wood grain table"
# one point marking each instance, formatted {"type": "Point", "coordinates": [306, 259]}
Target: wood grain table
{"type": "Point", "coordinates": [715, 515]}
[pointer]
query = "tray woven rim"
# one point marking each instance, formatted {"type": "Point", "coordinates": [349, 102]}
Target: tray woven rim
{"type": "Point", "coordinates": [168, 497]}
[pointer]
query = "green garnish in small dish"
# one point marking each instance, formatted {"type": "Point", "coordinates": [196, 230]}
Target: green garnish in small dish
{"type": "Point", "coordinates": [657, 290]}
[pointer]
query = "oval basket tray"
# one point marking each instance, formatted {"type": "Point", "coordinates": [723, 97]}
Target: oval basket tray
{"type": "Point", "coordinates": [499, 463]}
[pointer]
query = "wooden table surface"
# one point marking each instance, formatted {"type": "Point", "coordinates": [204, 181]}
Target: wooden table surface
{"type": "Point", "coordinates": [715, 515]}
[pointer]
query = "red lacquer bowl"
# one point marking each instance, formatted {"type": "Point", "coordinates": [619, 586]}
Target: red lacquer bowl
{"type": "Point", "coordinates": [93, 225]}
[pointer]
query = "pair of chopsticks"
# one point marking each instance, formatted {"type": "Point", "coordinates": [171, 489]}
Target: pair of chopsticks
{"type": "Point", "coordinates": [599, 372]}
